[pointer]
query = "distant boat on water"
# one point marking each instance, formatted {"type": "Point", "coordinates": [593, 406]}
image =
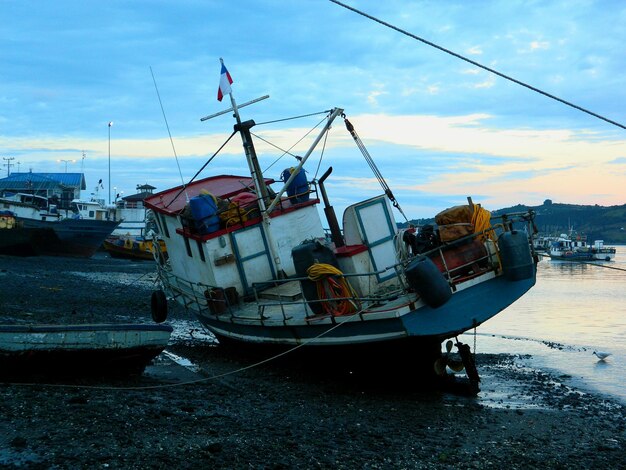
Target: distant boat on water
{"type": "Point", "coordinates": [575, 248]}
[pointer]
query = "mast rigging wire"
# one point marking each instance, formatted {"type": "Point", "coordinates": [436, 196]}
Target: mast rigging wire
{"type": "Point", "coordinates": [295, 117]}
{"type": "Point", "coordinates": [459, 56]}
{"type": "Point", "coordinates": [288, 151]}
{"type": "Point", "coordinates": [200, 170]}
{"type": "Point", "coordinates": [372, 165]}
{"type": "Point", "coordinates": [169, 133]}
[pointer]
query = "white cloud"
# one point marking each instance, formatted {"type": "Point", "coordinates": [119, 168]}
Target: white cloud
{"type": "Point", "coordinates": [535, 45]}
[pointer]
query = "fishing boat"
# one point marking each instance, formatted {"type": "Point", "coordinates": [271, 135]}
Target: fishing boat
{"type": "Point", "coordinates": [575, 248]}
{"type": "Point", "coordinates": [80, 348]}
{"type": "Point", "coordinates": [256, 265]}
{"type": "Point", "coordinates": [34, 226]}
{"type": "Point", "coordinates": [134, 247]}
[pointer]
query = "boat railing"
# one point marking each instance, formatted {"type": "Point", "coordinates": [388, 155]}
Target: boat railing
{"type": "Point", "coordinates": [272, 304]}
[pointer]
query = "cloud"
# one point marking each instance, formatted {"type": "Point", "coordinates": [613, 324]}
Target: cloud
{"type": "Point", "coordinates": [536, 45]}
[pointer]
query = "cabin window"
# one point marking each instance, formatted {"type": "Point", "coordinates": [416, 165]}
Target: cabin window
{"type": "Point", "coordinates": [164, 225]}
{"type": "Point", "coordinates": [200, 250]}
{"type": "Point", "coordinates": [92, 214]}
{"type": "Point", "coordinates": [188, 247]}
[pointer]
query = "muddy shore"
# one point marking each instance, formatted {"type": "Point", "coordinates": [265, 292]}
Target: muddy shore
{"type": "Point", "coordinates": [217, 412]}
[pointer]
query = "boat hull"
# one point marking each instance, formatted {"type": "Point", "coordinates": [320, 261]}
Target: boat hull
{"type": "Point", "coordinates": [118, 248]}
{"type": "Point", "coordinates": [80, 348]}
{"type": "Point", "coordinates": [465, 310]}
{"type": "Point", "coordinates": [67, 237]}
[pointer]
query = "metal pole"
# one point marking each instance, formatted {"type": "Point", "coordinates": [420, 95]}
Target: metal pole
{"type": "Point", "coordinates": [110, 124]}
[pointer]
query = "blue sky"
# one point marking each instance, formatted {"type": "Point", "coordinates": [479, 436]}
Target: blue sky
{"type": "Point", "coordinates": [439, 128]}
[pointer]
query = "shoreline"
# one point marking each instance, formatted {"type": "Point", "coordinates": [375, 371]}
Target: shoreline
{"type": "Point", "coordinates": [278, 414]}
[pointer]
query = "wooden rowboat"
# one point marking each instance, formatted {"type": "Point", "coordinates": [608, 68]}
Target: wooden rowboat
{"type": "Point", "coordinates": [119, 348]}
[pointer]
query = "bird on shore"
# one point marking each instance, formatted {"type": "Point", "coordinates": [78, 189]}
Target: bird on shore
{"type": "Point", "coordinates": [601, 355]}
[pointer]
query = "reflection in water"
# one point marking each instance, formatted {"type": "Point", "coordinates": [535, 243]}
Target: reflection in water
{"type": "Point", "coordinates": [579, 306]}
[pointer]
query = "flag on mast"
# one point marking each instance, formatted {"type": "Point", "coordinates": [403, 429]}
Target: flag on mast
{"type": "Point", "coordinates": [225, 82]}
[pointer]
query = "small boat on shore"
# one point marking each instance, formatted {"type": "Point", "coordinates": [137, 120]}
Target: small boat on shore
{"type": "Point", "coordinates": [256, 266]}
{"type": "Point", "coordinates": [80, 348]}
{"type": "Point", "coordinates": [130, 247]}
{"type": "Point", "coordinates": [575, 248]}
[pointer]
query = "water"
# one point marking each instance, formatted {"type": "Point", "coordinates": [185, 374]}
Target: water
{"type": "Point", "coordinates": [573, 310]}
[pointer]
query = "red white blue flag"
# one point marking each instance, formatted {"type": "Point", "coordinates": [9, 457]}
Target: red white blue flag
{"type": "Point", "coordinates": [225, 82]}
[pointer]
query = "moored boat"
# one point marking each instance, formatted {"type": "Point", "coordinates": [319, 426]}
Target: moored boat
{"type": "Point", "coordinates": [255, 265]}
{"type": "Point", "coordinates": [575, 248]}
{"type": "Point", "coordinates": [39, 228]}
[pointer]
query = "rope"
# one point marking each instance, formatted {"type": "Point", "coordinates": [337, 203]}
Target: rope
{"type": "Point", "coordinates": [459, 56]}
{"type": "Point", "coordinates": [481, 220]}
{"type": "Point", "coordinates": [336, 294]}
{"type": "Point", "coordinates": [189, 382]}
{"type": "Point", "coordinates": [402, 251]}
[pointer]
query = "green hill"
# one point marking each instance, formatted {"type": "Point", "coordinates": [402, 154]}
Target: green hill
{"type": "Point", "coordinates": [596, 222]}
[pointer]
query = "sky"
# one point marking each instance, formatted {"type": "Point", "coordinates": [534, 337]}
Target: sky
{"type": "Point", "coordinates": [439, 129]}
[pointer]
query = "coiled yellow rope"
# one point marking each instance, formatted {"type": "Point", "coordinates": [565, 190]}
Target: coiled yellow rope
{"type": "Point", "coordinates": [481, 220]}
{"type": "Point", "coordinates": [338, 296]}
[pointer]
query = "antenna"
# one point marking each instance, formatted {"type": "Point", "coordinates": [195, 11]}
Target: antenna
{"type": "Point", "coordinates": [169, 133]}
{"type": "Point", "coordinates": [8, 164]}
{"type": "Point", "coordinates": [247, 103]}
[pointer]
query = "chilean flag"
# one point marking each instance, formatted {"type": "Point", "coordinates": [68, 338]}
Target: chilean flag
{"type": "Point", "coordinates": [225, 82]}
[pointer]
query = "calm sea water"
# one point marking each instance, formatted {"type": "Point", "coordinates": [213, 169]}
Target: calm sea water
{"type": "Point", "coordinates": [573, 310]}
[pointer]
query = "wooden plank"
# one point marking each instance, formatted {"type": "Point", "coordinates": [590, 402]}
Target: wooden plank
{"type": "Point", "coordinates": [288, 291]}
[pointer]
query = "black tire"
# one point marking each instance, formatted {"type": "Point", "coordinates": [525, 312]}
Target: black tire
{"type": "Point", "coordinates": [158, 306]}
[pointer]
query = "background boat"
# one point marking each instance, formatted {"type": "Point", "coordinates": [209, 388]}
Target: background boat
{"type": "Point", "coordinates": [130, 247]}
{"type": "Point", "coordinates": [39, 227]}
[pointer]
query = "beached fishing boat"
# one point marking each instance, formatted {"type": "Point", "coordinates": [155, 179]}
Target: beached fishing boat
{"type": "Point", "coordinates": [80, 348]}
{"type": "Point", "coordinates": [255, 265]}
{"type": "Point", "coordinates": [129, 247]}
{"type": "Point", "coordinates": [575, 248]}
{"type": "Point", "coordinates": [34, 226]}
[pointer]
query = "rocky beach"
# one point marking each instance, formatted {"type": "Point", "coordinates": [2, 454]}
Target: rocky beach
{"type": "Point", "coordinates": [203, 405]}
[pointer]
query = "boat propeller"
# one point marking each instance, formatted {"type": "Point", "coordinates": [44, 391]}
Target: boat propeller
{"type": "Point", "coordinates": [447, 361]}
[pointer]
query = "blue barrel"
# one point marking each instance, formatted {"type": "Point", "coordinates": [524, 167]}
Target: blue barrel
{"type": "Point", "coordinates": [517, 261]}
{"type": "Point", "coordinates": [298, 190]}
{"type": "Point", "coordinates": [426, 279]}
{"type": "Point", "coordinates": [204, 211]}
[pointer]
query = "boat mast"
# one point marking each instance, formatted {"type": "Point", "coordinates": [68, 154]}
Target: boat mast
{"type": "Point", "coordinates": [253, 163]}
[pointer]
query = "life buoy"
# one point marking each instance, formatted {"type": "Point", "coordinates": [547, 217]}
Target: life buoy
{"type": "Point", "coordinates": [158, 306]}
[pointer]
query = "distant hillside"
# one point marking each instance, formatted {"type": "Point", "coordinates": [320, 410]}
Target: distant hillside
{"type": "Point", "coordinates": [596, 222]}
